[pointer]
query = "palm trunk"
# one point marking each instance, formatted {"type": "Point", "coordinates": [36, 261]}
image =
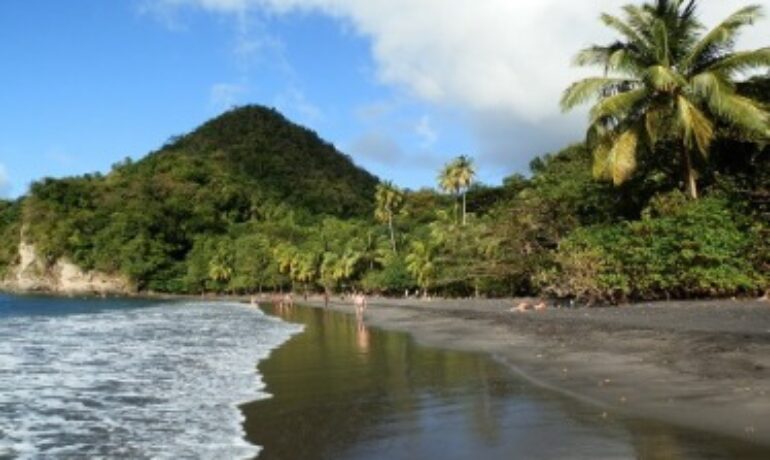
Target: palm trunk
{"type": "Point", "coordinates": [689, 175]}
{"type": "Point", "coordinates": [392, 232]}
{"type": "Point", "coordinates": [464, 207]}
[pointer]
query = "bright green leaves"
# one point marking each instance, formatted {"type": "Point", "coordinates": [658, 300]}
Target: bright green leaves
{"type": "Point", "coordinates": [722, 36]}
{"type": "Point", "coordinates": [619, 106]}
{"type": "Point", "coordinates": [615, 158]}
{"type": "Point", "coordinates": [677, 84]}
{"type": "Point", "coordinates": [697, 129]}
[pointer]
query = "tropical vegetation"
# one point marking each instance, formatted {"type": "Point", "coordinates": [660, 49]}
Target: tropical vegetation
{"type": "Point", "coordinates": [668, 88]}
{"type": "Point", "coordinates": [251, 202]}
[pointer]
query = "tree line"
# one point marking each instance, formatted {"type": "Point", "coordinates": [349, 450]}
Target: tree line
{"type": "Point", "coordinates": [667, 197]}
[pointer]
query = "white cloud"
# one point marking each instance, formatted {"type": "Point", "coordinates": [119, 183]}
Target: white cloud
{"type": "Point", "coordinates": [480, 55]}
{"type": "Point", "coordinates": [382, 149]}
{"type": "Point", "coordinates": [223, 96]}
{"type": "Point", "coordinates": [294, 102]}
{"type": "Point", "coordinates": [507, 60]}
{"type": "Point", "coordinates": [5, 183]}
{"type": "Point", "coordinates": [378, 148]}
{"type": "Point", "coordinates": [426, 132]}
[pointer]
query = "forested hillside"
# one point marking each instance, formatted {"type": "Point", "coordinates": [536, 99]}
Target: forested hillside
{"type": "Point", "coordinates": [250, 202]}
{"type": "Point", "coordinates": [142, 219]}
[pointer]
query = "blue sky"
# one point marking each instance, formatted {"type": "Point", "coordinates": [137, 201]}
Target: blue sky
{"type": "Point", "coordinates": [401, 86]}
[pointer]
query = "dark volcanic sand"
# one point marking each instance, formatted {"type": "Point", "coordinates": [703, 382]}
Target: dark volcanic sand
{"type": "Point", "coordinates": [700, 365]}
{"type": "Point", "coordinates": [342, 390]}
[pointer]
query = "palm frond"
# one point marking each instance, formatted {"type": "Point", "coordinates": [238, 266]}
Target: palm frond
{"type": "Point", "coordinates": [698, 131]}
{"type": "Point", "coordinates": [617, 106]}
{"type": "Point", "coordinates": [625, 30]}
{"type": "Point", "coordinates": [621, 162]}
{"type": "Point", "coordinates": [595, 55]}
{"type": "Point", "coordinates": [656, 125]}
{"type": "Point", "coordinates": [744, 114]}
{"type": "Point", "coordinates": [601, 168]}
{"type": "Point", "coordinates": [663, 78]}
{"type": "Point", "coordinates": [615, 156]}
{"type": "Point", "coordinates": [742, 61]}
{"type": "Point", "coordinates": [638, 18]}
{"type": "Point", "coordinates": [660, 42]}
{"type": "Point", "coordinates": [587, 89]}
{"type": "Point", "coordinates": [723, 35]}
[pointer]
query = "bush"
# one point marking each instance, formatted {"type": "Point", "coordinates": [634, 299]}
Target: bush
{"type": "Point", "coordinates": [680, 249]}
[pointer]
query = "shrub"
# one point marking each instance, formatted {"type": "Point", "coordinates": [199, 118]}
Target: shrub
{"type": "Point", "coordinates": [680, 249]}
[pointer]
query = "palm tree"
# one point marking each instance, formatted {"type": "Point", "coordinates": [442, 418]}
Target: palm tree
{"type": "Point", "coordinates": [420, 264]}
{"type": "Point", "coordinates": [666, 80]}
{"type": "Point", "coordinates": [456, 178]}
{"type": "Point", "coordinates": [448, 183]}
{"type": "Point", "coordinates": [220, 272]}
{"type": "Point", "coordinates": [390, 200]}
{"type": "Point", "coordinates": [305, 268]}
{"type": "Point", "coordinates": [221, 266]}
{"type": "Point", "coordinates": [465, 174]}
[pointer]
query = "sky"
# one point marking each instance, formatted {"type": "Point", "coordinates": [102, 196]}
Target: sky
{"type": "Point", "coordinates": [402, 86]}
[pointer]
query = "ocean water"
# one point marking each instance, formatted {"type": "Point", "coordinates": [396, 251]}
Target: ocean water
{"type": "Point", "coordinates": [92, 378]}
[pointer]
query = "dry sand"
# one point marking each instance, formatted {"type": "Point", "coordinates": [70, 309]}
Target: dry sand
{"type": "Point", "coordinates": [701, 365]}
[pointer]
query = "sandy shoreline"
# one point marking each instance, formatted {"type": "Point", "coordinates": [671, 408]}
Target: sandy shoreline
{"type": "Point", "coordinates": [699, 365]}
{"type": "Point", "coordinates": [702, 365]}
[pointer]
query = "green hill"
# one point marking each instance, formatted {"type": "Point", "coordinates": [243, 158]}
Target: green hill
{"type": "Point", "coordinates": [143, 218]}
{"type": "Point", "coordinates": [260, 149]}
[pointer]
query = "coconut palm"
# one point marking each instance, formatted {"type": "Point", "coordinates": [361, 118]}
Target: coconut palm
{"type": "Point", "coordinates": [374, 249]}
{"type": "Point", "coordinates": [420, 264]}
{"type": "Point", "coordinates": [666, 80]}
{"type": "Point", "coordinates": [456, 178]}
{"type": "Point", "coordinates": [221, 266]}
{"type": "Point", "coordinates": [448, 183]}
{"type": "Point", "coordinates": [389, 201]}
{"type": "Point", "coordinates": [219, 271]}
{"type": "Point", "coordinates": [304, 268]}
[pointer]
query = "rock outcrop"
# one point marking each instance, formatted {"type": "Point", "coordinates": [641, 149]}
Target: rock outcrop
{"type": "Point", "coordinates": [32, 274]}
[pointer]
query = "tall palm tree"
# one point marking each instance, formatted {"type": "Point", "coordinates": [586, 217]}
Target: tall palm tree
{"type": "Point", "coordinates": [389, 201]}
{"type": "Point", "coordinates": [665, 80]}
{"type": "Point", "coordinates": [465, 174]}
{"type": "Point", "coordinates": [456, 178]}
{"type": "Point", "coordinates": [420, 264]}
{"type": "Point", "coordinates": [448, 183]}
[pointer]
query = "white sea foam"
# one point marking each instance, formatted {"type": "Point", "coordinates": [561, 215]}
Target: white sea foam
{"type": "Point", "coordinates": [158, 382]}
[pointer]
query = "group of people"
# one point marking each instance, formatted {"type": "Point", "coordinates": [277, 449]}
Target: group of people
{"type": "Point", "coordinates": [287, 300]}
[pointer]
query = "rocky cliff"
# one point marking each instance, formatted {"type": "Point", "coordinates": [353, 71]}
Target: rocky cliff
{"type": "Point", "coordinates": [32, 274]}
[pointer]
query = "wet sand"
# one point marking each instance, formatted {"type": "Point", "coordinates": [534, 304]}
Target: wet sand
{"type": "Point", "coordinates": [344, 390]}
{"type": "Point", "coordinates": [697, 365]}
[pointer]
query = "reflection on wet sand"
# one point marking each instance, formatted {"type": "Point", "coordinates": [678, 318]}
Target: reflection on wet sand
{"type": "Point", "coordinates": [362, 335]}
{"type": "Point", "coordinates": [345, 391]}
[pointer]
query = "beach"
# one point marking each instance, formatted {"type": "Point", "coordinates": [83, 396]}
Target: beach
{"type": "Point", "coordinates": [701, 365]}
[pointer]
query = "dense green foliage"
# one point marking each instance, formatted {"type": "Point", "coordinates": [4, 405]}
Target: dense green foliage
{"type": "Point", "coordinates": [250, 202]}
{"type": "Point", "coordinates": [144, 219]}
{"type": "Point", "coordinates": [10, 227]}
{"type": "Point", "coordinates": [667, 81]}
{"type": "Point", "coordinates": [680, 248]}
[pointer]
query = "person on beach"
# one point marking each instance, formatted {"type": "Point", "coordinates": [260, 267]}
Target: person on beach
{"type": "Point", "coordinates": [524, 307]}
{"type": "Point", "coordinates": [359, 302]}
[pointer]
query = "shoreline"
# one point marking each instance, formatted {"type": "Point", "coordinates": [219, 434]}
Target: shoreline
{"type": "Point", "coordinates": [698, 365]}
{"type": "Point", "coordinates": [702, 365]}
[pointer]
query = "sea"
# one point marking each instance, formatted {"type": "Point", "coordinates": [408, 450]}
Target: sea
{"type": "Point", "coordinates": [117, 378]}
